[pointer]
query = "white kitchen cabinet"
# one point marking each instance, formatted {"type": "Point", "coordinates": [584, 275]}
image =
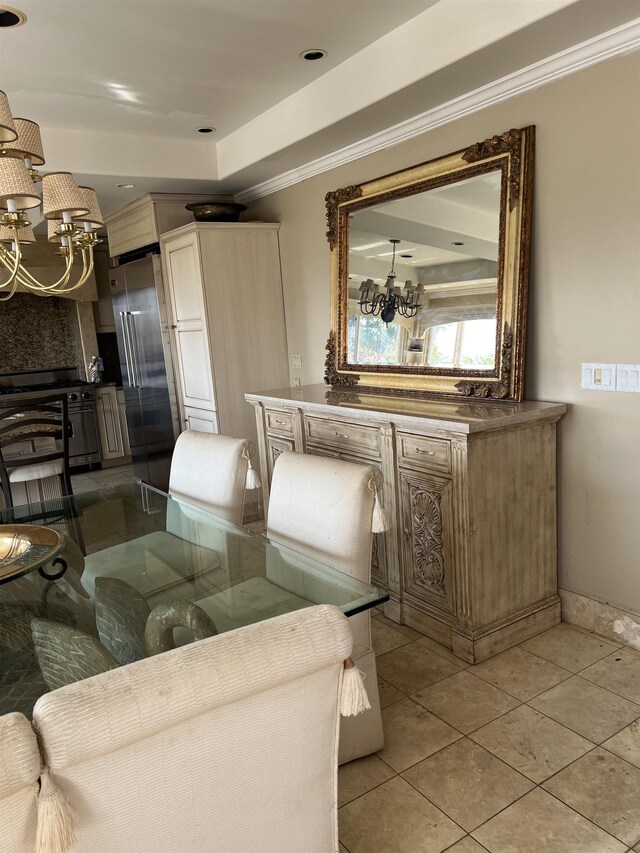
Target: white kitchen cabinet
{"type": "Point", "coordinates": [112, 424]}
{"type": "Point", "coordinates": [142, 221]}
{"type": "Point", "coordinates": [227, 321]}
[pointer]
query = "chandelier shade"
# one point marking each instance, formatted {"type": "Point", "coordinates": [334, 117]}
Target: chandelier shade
{"type": "Point", "coordinates": [94, 216]}
{"type": "Point", "coordinates": [25, 235]}
{"type": "Point", "coordinates": [53, 230]}
{"type": "Point", "coordinates": [60, 195]}
{"type": "Point", "coordinates": [8, 130]}
{"type": "Point", "coordinates": [28, 144]}
{"type": "Point", "coordinates": [16, 185]}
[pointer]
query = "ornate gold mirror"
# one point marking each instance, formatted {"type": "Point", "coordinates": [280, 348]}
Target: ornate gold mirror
{"type": "Point", "coordinates": [429, 270]}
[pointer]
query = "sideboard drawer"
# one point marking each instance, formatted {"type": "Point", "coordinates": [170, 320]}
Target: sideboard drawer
{"type": "Point", "coordinates": [279, 421]}
{"type": "Point", "coordinates": [424, 452]}
{"type": "Point", "coordinates": [356, 437]}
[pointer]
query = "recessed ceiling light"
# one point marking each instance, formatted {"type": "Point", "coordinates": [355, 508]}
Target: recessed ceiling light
{"type": "Point", "coordinates": [125, 186]}
{"type": "Point", "coordinates": [313, 54]}
{"type": "Point", "coordinates": [457, 243]}
{"type": "Point", "coordinates": [206, 129]}
{"type": "Point", "coordinates": [11, 17]}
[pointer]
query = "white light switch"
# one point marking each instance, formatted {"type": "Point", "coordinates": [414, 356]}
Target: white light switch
{"type": "Point", "coordinates": [599, 377]}
{"type": "Point", "coordinates": [296, 360]}
{"type": "Point", "coordinates": [628, 377]}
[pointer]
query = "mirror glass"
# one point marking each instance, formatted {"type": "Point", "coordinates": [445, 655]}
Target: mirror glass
{"type": "Point", "coordinates": [434, 302]}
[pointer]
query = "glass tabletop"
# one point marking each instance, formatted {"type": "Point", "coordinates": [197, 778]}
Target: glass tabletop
{"type": "Point", "coordinates": [146, 571]}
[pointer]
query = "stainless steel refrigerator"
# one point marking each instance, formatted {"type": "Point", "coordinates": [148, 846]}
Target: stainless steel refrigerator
{"type": "Point", "coordinates": [145, 362]}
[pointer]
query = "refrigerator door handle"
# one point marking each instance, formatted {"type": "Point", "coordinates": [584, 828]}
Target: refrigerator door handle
{"type": "Point", "coordinates": [127, 348]}
{"type": "Point", "coordinates": [134, 348]}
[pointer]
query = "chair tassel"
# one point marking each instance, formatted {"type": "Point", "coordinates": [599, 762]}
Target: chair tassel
{"type": "Point", "coordinates": [379, 521]}
{"type": "Point", "coordinates": [252, 481]}
{"type": "Point", "coordinates": [56, 819]}
{"type": "Point", "coordinates": [354, 698]}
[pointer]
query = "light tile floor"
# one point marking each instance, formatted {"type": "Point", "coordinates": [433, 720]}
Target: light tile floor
{"type": "Point", "coordinates": [534, 751]}
{"type": "Point", "coordinates": [89, 481]}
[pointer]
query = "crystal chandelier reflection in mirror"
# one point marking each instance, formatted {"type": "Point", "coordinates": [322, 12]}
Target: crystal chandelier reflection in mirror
{"type": "Point", "coordinates": [388, 304]}
{"type": "Point", "coordinates": [72, 212]}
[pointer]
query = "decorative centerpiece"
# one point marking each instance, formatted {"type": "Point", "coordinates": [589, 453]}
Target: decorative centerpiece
{"type": "Point", "coordinates": [221, 208]}
{"type": "Point", "coordinates": [24, 547]}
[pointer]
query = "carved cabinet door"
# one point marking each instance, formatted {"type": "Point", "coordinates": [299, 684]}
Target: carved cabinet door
{"type": "Point", "coordinates": [425, 532]}
{"type": "Point", "coordinates": [276, 446]}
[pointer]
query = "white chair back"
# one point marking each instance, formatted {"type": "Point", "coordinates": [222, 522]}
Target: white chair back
{"type": "Point", "coordinates": [210, 471]}
{"type": "Point", "coordinates": [324, 507]}
{"type": "Point", "coordinates": [229, 744]}
{"type": "Point", "coordinates": [19, 771]}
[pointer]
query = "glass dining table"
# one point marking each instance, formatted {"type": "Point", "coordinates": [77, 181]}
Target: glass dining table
{"type": "Point", "coordinates": [142, 572]}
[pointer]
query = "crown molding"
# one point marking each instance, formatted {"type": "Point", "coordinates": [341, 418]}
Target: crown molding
{"type": "Point", "coordinates": [617, 42]}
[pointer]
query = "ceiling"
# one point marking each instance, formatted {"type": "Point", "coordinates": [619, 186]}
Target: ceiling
{"type": "Point", "coordinates": [119, 87]}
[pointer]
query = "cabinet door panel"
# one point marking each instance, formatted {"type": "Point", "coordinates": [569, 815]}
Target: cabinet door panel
{"type": "Point", "coordinates": [200, 420]}
{"type": "Point", "coordinates": [379, 560]}
{"type": "Point", "coordinates": [109, 424]}
{"type": "Point", "coordinates": [193, 363]}
{"type": "Point", "coordinates": [276, 446]}
{"type": "Point", "coordinates": [184, 267]}
{"type": "Point", "coordinates": [425, 512]}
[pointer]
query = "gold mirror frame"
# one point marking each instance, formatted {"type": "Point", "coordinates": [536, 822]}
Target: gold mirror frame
{"type": "Point", "coordinates": [512, 154]}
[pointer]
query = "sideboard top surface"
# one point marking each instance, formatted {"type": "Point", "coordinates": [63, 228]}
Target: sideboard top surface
{"type": "Point", "coordinates": [411, 412]}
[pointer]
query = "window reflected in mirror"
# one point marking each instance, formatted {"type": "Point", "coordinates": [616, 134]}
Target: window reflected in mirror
{"type": "Point", "coordinates": [423, 277]}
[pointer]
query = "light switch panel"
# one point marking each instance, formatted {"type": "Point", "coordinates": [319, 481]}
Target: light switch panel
{"type": "Point", "coordinates": [628, 377]}
{"type": "Point", "coordinates": [598, 377]}
{"type": "Point", "coordinates": [296, 360]}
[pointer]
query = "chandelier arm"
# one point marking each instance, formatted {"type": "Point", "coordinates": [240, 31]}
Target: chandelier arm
{"type": "Point", "coordinates": [33, 283]}
{"type": "Point", "coordinates": [87, 268]}
{"type": "Point", "coordinates": [12, 262]}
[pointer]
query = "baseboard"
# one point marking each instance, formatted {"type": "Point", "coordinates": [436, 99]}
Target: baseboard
{"type": "Point", "coordinates": [601, 618]}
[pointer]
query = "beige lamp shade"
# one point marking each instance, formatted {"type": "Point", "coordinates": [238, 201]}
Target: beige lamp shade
{"type": "Point", "coordinates": [53, 226]}
{"type": "Point", "coordinates": [25, 235]}
{"type": "Point", "coordinates": [28, 143]}
{"type": "Point", "coordinates": [16, 184]}
{"type": "Point", "coordinates": [60, 194]}
{"type": "Point", "coordinates": [94, 216]}
{"type": "Point", "coordinates": [8, 130]}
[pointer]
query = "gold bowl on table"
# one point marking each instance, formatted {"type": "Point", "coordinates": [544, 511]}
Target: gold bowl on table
{"type": "Point", "coordinates": [27, 546]}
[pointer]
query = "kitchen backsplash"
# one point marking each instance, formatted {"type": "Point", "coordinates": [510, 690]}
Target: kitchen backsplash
{"type": "Point", "coordinates": [38, 333]}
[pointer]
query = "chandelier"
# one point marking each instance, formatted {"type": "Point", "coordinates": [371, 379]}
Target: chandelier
{"type": "Point", "coordinates": [72, 212]}
{"type": "Point", "coordinates": [388, 304]}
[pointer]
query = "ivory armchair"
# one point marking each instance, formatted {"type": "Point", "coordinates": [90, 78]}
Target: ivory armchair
{"type": "Point", "coordinates": [19, 772]}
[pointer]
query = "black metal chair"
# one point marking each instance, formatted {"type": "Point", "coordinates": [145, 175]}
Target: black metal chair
{"type": "Point", "coordinates": [44, 417]}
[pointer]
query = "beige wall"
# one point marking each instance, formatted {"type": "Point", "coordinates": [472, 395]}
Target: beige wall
{"type": "Point", "coordinates": [584, 299]}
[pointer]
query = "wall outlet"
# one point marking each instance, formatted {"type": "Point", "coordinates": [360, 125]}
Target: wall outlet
{"type": "Point", "coordinates": [628, 377]}
{"type": "Point", "coordinates": [599, 377]}
{"type": "Point", "coordinates": [296, 361]}
{"type": "Point", "coordinates": [297, 382]}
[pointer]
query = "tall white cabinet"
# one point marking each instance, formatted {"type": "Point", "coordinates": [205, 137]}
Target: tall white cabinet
{"type": "Point", "coordinates": [227, 322]}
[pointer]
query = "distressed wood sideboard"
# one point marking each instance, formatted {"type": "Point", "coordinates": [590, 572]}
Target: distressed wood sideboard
{"type": "Point", "coordinates": [470, 556]}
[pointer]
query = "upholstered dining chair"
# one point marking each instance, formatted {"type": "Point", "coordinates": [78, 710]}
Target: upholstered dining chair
{"type": "Point", "coordinates": [208, 472]}
{"type": "Point", "coordinates": [211, 471]}
{"type": "Point", "coordinates": [46, 417]}
{"type": "Point", "coordinates": [19, 771]}
{"type": "Point", "coordinates": [323, 507]}
{"type": "Point", "coordinates": [229, 744]}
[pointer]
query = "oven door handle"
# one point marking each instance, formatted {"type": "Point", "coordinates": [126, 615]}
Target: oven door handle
{"type": "Point", "coordinates": [127, 348]}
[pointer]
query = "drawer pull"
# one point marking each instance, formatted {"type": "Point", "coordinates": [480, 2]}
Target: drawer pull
{"type": "Point", "coordinates": [281, 423]}
{"type": "Point", "coordinates": [342, 435]}
{"type": "Point", "coordinates": [426, 452]}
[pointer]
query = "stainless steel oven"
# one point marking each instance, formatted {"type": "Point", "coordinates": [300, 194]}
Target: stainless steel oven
{"type": "Point", "coordinates": [84, 448]}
